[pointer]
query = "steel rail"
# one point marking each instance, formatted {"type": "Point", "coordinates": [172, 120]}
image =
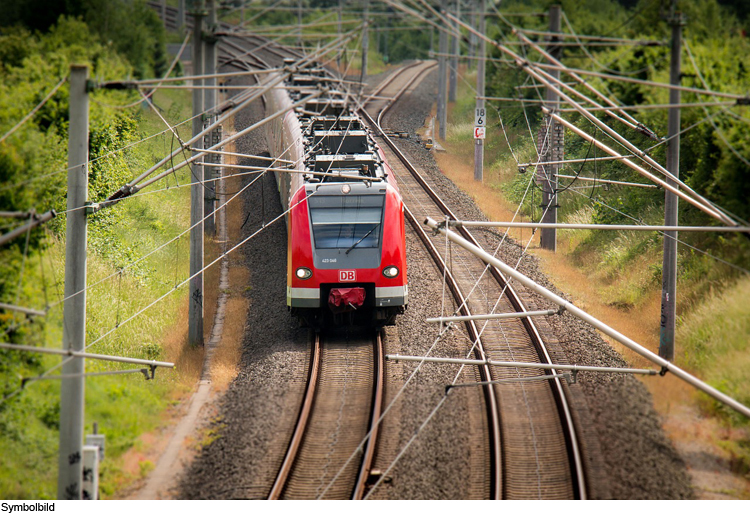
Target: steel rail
{"type": "Point", "coordinates": [375, 414]}
{"type": "Point", "coordinates": [493, 413]}
{"type": "Point", "coordinates": [493, 408]}
{"type": "Point", "coordinates": [570, 431]}
{"type": "Point", "coordinates": [402, 91]}
{"type": "Point", "coordinates": [386, 82]}
{"type": "Point", "coordinates": [302, 421]}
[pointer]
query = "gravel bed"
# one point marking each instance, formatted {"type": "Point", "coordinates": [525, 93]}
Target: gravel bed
{"type": "Point", "coordinates": [444, 461]}
{"type": "Point", "coordinates": [241, 447]}
{"type": "Point", "coordinates": [633, 452]}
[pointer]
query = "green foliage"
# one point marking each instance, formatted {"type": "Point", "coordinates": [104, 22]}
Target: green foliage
{"type": "Point", "coordinates": [33, 175]}
{"type": "Point", "coordinates": [715, 342]}
{"type": "Point", "coordinates": [130, 27]}
{"type": "Point", "coordinates": [714, 160]}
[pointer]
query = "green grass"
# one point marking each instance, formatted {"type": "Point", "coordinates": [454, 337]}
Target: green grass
{"type": "Point", "coordinates": [713, 312]}
{"type": "Point", "coordinates": [123, 406]}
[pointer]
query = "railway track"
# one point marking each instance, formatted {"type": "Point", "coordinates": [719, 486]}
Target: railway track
{"type": "Point", "coordinates": [342, 403]}
{"type": "Point", "coordinates": [535, 447]}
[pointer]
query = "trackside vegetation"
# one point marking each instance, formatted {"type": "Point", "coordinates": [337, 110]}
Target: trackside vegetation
{"type": "Point", "coordinates": [713, 276]}
{"type": "Point", "coordinates": [125, 139]}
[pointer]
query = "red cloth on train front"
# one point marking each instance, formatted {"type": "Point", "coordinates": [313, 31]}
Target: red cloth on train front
{"type": "Point", "coordinates": [342, 299]}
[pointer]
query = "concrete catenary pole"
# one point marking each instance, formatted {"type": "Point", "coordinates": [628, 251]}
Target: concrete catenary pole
{"type": "Point", "coordinates": [209, 100]}
{"type": "Point", "coordinates": [669, 264]}
{"type": "Point", "coordinates": [442, 106]}
{"type": "Point", "coordinates": [365, 41]}
{"type": "Point", "coordinates": [70, 463]}
{"type": "Point", "coordinates": [551, 144]}
{"type": "Point", "coordinates": [474, 7]}
{"type": "Point", "coordinates": [340, 19]}
{"type": "Point", "coordinates": [480, 110]}
{"type": "Point", "coordinates": [299, 24]}
{"type": "Point", "coordinates": [195, 311]}
{"type": "Point", "coordinates": [180, 14]}
{"type": "Point", "coordinates": [453, 77]}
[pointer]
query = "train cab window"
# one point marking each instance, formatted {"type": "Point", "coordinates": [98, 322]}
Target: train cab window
{"type": "Point", "coordinates": [340, 222]}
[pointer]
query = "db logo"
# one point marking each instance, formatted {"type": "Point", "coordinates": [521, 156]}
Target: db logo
{"type": "Point", "coordinates": [347, 276]}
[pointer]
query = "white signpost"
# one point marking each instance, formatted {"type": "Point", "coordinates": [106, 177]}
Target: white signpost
{"type": "Point", "coordinates": [479, 122]}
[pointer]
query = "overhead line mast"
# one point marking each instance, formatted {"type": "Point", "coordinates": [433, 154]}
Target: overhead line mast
{"type": "Point", "coordinates": [197, 192]}
{"type": "Point", "coordinates": [669, 262]}
{"type": "Point", "coordinates": [699, 201]}
{"type": "Point", "coordinates": [479, 111]}
{"type": "Point", "coordinates": [551, 143]}
{"type": "Point", "coordinates": [70, 462]}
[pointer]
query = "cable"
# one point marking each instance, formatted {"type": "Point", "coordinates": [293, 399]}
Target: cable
{"type": "Point", "coordinates": [35, 110]}
{"type": "Point", "coordinates": [713, 124]}
{"type": "Point", "coordinates": [199, 272]}
{"type": "Point", "coordinates": [153, 91]}
{"type": "Point", "coordinates": [591, 144]}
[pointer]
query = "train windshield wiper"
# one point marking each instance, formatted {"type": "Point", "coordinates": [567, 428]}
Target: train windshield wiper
{"type": "Point", "coordinates": [361, 239]}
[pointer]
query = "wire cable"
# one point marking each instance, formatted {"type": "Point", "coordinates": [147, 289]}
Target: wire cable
{"type": "Point", "coordinates": [35, 110]}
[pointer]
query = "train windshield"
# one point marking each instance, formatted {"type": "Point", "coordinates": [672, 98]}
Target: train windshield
{"type": "Point", "coordinates": [340, 222]}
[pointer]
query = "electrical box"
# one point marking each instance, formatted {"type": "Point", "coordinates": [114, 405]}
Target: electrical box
{"type": "Point", "coordinates": [90, 478]}
{"type": "Point", "coordinates": [96, 440]}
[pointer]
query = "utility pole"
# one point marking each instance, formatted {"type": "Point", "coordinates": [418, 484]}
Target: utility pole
{"type": "Point", "coordinates": [669, 264]}
{"type": "Point", "coordinates": [195, 311]}
{"type": "Point", "coordinates": [299, 24]}
{"type": "Point", "coordinates": [341, 16]}
{"type": "Point", "coordinates": [180, 14]}
{"type": "Point", "coordinates": [551, 143]}
{"type": "Point", "coordinates": [70, 463]}
{"type": "Point", "coordinates": [209, 99]}
{"type": "Point", "coordinates": [365, 41]}
{"type": "Point", "coordinates": [386, 33]}
{"type": "Point", "coordinates": [454, 58]}
{"type": "Point", "coordinates": [473, 6]}
{"type": "Point", "coordinates": [480, 119]}
{"type": "Point", "coordinates": [442, 106]}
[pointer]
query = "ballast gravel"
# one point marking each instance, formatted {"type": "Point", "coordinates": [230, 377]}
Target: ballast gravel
{"type": "Point", "coordinates": [244, 444]}
{"type": "Point", "coordinates": [635, 459]}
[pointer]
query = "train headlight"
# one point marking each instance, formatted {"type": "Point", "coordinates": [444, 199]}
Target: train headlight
{"type": "Point", "coordinates": [304, 273]}
{"type": "Point", "coordinates": [390, 272]}
{"type": "Point", "coordinates": [346, 188]}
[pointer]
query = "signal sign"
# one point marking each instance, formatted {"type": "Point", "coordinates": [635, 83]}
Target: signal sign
{"type": "Point", "coordinates": [479, 132]}
{"type": "Point", "coordinates": [479, 119]}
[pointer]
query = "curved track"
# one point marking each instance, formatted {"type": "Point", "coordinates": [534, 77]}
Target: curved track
{"type": "Point", "coordinates": [536, 451]}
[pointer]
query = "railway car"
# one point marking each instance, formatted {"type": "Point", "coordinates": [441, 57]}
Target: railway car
{"type": "Point", "coordinates": [346, 258]}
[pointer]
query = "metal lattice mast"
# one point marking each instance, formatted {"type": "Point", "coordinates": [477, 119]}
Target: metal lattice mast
{"type": "Point", "coordinates": [551, 144]}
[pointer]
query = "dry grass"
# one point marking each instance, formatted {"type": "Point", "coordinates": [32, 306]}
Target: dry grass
{"type": "Point", "coordinates": [224, 365]}
{"type": "Point", "coordinates": [492, 203]}
{"type": "Point", "coordinates": [188, 360]}
{"type": "Point", "coordinates": [640, 324]}
{"type": "Point", "coordinates": [225, 361]}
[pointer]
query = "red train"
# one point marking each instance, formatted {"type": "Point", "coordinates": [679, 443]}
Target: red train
{"type": "Point", "coordinates": [346, 259]}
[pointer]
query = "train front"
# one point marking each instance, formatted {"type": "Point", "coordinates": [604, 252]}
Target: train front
{"type": "Point", "coordinates": [346, 258]}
